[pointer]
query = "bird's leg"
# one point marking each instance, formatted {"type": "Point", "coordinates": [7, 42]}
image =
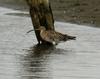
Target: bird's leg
{"type": "Point", "coordinates": [45, 42]}
{"type": "Point", "coordinates": [39, 42]}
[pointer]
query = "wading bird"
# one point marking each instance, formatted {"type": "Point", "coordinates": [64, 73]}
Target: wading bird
{"type": "Point", "coordinates": [53, 36]}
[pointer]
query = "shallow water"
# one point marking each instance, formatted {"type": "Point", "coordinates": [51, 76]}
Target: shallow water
{"type": "Point", "coordinates": [21, 58]}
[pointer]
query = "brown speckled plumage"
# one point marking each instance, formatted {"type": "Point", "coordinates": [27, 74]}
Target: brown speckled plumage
{"type": "Point", "coordinates": [53, 36]}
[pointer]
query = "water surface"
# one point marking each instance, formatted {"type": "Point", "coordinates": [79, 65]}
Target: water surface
{"type": "Point", "coordinates": [22, 58]}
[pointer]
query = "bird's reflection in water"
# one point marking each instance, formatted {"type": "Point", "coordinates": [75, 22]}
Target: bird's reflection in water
{"type": "Point", "coordinates": [37, 62]}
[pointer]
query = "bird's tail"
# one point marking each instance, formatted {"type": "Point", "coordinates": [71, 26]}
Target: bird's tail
{"type": "Point", "coordinates": [67, 37]}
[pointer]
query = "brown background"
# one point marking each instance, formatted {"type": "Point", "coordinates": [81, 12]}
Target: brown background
{"type": "Point", "coordinates": [77, 11]}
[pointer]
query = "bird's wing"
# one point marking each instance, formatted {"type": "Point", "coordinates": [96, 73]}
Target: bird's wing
{"type": "Point", "coordinates": [56, 36]}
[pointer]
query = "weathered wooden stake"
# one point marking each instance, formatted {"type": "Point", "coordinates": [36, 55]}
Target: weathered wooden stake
{"type": "Point", "coordinates": [41, 15]}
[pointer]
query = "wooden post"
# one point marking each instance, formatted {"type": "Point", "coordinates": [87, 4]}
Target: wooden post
{"type": "Point", "coordinates": [41, 15]}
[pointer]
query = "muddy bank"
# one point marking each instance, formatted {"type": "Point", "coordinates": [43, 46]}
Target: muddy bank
{"type": "Point", "coordinates": [75, 11]}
